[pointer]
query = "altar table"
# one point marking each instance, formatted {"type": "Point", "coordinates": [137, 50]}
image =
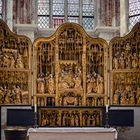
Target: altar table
{"type": "Point", "coordinates": [78, 133]}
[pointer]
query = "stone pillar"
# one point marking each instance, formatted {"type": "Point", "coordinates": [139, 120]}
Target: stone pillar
{"type": "Point", "coordinates": [9, 14]}
{"type": "Point", "coordinates": [24, 11]}
{"type": "Point", "coordinates": [124, 8]}
{"type": "Point", "coordinates": [66, 10]}
{"type": "Point", "coordinates": [25, 19]}
{"type": "Point", "coordinates": [80, 14]}
{"type": "Point", "coordinates": [106, 18]}
{"type": "Point", "coordinates": [51, 13]}
{"type": "Point", "coordinates": [28, 30]}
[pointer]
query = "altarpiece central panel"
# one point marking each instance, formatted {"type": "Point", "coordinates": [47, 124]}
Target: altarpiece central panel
{"type": "Point", "coordinates": [70, 69]}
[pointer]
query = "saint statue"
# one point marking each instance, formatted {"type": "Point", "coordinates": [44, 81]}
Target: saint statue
{"type": "Point", "coordinates": [40, 84]}
{"type": "Point", "coordinates": [100, 86]}
{"type": "Point", "coordinates": [19, 61]}
{"type": "Point", "coordinates": [115, 62]}
{"type": "Point", "coordinates": [77, 81]}
{"type": "Point", "coordinates": [51, 85]}
{"type": "Point", "coordinates": [135, 61]}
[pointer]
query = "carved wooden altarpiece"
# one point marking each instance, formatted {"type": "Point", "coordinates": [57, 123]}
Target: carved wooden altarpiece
{"type": "Point", "coordinates": [70, 69]}
{"type": "Point", "coordinates": [15, 68]}
{"type": "Point", "coordinates": [125, 69]}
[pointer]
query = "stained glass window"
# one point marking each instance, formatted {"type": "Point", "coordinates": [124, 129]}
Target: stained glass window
{"type": "Point", "coordinates": [88, 23]}
{"type": "Point", "coordinates": [43, 13]}
{"type": "Point", "coordinates": [88, 14]}
{"type": "Point", "coordinates": [58, 7]}
{"type": "Point", "coordinates": [0, 9]}
{"type": "Point", "coordinates": [134, 12]}
{"type": "Point", "coordinates": [57, 12]}
{"type": "Point", "coordinates": [73, 7]}
{"type": "Point", "coordinates": [57, 21]}
{"type": "Point", "coordinates": [73, 19]}
{"type": "Point", "coordinates": [88, 7]}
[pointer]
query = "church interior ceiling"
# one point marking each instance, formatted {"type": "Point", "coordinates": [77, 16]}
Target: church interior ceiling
{"type": "Point", "coordinates": [70, 72]}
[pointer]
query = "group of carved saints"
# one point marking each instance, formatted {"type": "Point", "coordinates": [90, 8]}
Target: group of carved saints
{"type": "Point", "coordinates": [70, 117]}
{"type": "Point", "coordinates": [69, 69]}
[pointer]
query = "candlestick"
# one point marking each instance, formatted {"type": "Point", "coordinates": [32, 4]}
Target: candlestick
{"type": "Point", "coordinates": [107, 117]}
{"type": "Point", "coordinates": [35, 108]}
{"type": "Point", "coordinates": [107, 108]}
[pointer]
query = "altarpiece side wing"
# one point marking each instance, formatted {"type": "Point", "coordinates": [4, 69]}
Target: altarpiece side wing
{"type": "Point", "coordinates": [125, 69]}
{"type": "Point", "coordinates": [15, 68]}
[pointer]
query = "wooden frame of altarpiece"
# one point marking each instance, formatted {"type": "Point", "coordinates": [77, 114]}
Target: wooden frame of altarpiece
{"type": "Point", "coordinates": [125, 69]}
{"type": "Point", "coordinates": [15, 68]}
{"type": "Point", "coordinates": [70, 70]}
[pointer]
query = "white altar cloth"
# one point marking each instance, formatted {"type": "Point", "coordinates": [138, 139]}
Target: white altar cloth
{"type": "Point", "coordinates": [78, 133]}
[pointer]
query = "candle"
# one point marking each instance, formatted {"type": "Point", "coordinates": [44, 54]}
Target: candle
{"type": "Point", "coordinates": [106, 108]}
{"type": "Point", "coordinates": [35, 108]}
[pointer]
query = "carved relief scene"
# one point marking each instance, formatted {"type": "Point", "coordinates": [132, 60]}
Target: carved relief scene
{"type": "Point", "coordinates": [95, 74]}
{"type": "Point", "coordinates": [126, 88]}
{"type": "Point", "coordinates": [70, 78]}
{"type": "Point", "coordinates": [125, 68]}
{"type": "Point", "coordinates": [70, 68]}
{"type": "Point", "coordinates": [15, 67]}
{"type": "Point", "coordinates": [45, 77]}
{"type": "Point", "coordinates": [69, 117]}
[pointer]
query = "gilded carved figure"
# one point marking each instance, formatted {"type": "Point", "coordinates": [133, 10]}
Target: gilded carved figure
{"type": "Point", "coordinates": [100, 85]}
{"type": "Point", "coordinates": [116, 97]}
{"type": "Point", "coordinates": [51, 85]}
{"type": "Point", "coordinates": [135, 61]}
{"type": "Point", "coordinates": [116, 62]}
{"type": "Point", "coordinates": [40, 84]}
{"type": "Point", "coordinates": [19, 61]}
{"type": "Point", "coordinates": [78, 82]}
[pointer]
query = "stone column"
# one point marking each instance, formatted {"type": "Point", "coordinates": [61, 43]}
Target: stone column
{"type": "Point", "coordinates": [9, 14]}
{"type": "Point", "coordinates": [51, 13]}
{"type": "Point", "coordinates": [80, 14]}
{"type": "Point", "coordinates": [27, 30]}
{"type": "Point", "coordinates": [106, 18]}
{"type": "Point", "coordinates": [124, 8]}
{"type": "Point", "coordinates": [25, 19]}
{"type": "Point", "coordinates": [66, 10]}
